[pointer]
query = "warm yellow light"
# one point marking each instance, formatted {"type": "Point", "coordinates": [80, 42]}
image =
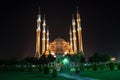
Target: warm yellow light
{"type": "Point", "coordinates": [65, 53]}
{"type": "Point", "coordinates": [113, 59]}
{"type": "Point", "coordinates": [52, 53]}
{"type": "Point", "coordinates": [47, 53]}
{"type": "Point", "coordinates": [71, 52]}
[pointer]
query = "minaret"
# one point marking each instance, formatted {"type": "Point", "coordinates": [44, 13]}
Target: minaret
{"type": "Point", "coordinates": [71, 43]}
{"type": "Point", "coordinates": [74, 35]}
{"type": "Point", "coordinates": [43, 36]}
{"type": "Point", "coordinates": [79, 29]}
{"type": "Point", "coordinates": [47, 42]}
{"type": "Point", "coordinates": [38, 30]}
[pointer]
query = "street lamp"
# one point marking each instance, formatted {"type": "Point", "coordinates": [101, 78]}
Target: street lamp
{"type": "Point", "coordinates": [65, 61]}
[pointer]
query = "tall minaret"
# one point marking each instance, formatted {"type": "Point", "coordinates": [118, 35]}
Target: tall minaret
{"type": "Point", "coordinates": [38, 30]}
{"type": "Point", "coordinates": [43, 36]}
{"type": "Point", "coordinates": [47, 42]}
{"type": "Point", "coordinates": [74, 35]}
{"type": "Point", "coordinates": [79, 29]}
{"type": "Point", "coordinates": [71, 43]}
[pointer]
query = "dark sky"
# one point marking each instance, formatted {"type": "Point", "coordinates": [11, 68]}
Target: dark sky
{"type": "Point", "coordinates": [100, 24]}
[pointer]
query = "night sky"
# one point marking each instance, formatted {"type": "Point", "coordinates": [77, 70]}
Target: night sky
{"type": "Point", "coordinates": [100, 25]}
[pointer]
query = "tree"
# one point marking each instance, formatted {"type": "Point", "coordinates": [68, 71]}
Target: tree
{"type": "Point", "coordinates": [46, 70]}
{"type": "Point", "coordinates": [40, 68]}
{"type": "Point", "coordinates": [99, 58]}
{"type": "Point", "coordinates": [95, 67]}
{"type": "Point", "coordinates": [75, 58]}
{"type": "Point", "coordinates": [118, 66]}
{"type": "Point", "coordinates": [111, 66]}
{"type": "Point", "coordinates": [54, 73]}
{"type": "Point", "coordinates": [104, 57]}
{"type": "Point", "coordinates": [51, 58]}
{"type": "Point", "coordinates": [82, 59]}
{"type": "Point", "coordinates": [43, 59]}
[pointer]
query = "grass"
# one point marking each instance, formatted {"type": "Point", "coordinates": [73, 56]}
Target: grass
{"type": "Point", "coordinates": [28, 76]}
{"type": "Point", "coordinates": [102, 75]}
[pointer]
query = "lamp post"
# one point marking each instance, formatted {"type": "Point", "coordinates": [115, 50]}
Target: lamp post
{"type": "Point", "coordinates": [66, 63]}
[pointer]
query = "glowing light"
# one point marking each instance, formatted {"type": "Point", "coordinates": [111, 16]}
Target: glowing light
{"type": "Point", "coordinates": [65, 61]}
{"type": "Point", "coordinates": [71, 52]}
{"type": "Point", "coordinates": [33, 65]}
{"type": "Point", "coordinates": [38, 28]}
{"type": "Point", "coordinates": [65, 52]}
{"type": "Point", "coordinates": [52, 53]}
{"type": "Point", "coordinates": [39, 18]}
{"type": "Point", "coordinates": [113, 59]}
{"type": "Point", "coordinates": [47, 53]}
{"type": "Point", "coordinates": [73, 21]}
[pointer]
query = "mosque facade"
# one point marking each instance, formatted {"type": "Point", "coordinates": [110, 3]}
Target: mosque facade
{"type": "Point", "coordinates": [59, 45]}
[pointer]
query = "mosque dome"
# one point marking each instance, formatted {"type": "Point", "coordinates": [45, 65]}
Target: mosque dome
{"type": "Point", "coordinates": [59, 46]}
{"type": "Point", "coordinates": [59, 40]}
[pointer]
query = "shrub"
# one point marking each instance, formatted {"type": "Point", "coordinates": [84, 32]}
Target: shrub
{"type": "Point", "coordinates": [22, 68]}
{"type": "Point", "coordinates": [46, 70]}
{"type": "Point", "coordinates": [77, 70]}
{"type": "Point", "coordinates": [95, 67]}
{"type": "Point", "coordinates": [111, 66]}
{"type": "Point", "coordinates": [54, 73]}
{"type": "Point", "coordinates": [40, 68]}
{"type": "Point", "coordinates": [0, 67]}
{"type": "Point", "coordinates": [82, 67]}
{"type": "Point", "coordinates": [119, 66]}
{"type": "Point", "coordinates": [61, 69]}
{"type": "Point", "coordinates": [87, 67]}
{"type": "Point", "coordinates": [101, 66]}
{"type": "Point", "coordinates": [14, 68]}
{"type": "Point", "coordinates": [30, 68]}
{"type": "Point", "coordinates": [7, 68]}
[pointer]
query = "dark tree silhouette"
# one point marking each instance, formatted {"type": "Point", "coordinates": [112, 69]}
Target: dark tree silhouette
{"type": "Point", "coordinates": [99, 58]}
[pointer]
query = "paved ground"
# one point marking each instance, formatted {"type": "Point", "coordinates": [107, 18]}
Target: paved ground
{"type": "Point", "coordinates": [74, 76]}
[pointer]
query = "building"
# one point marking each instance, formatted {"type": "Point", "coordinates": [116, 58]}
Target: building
{"type": "Point", "coordinates": [59, 45]}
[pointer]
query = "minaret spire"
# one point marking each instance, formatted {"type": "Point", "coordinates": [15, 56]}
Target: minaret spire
{"type": "Point", "coordinates": [71, 41]}
{"type": "Point", "coordinates": [39, 11]}
{"type": "Point", "coordinates": [38, 30]}
{"type": "Point", "coordinates": [79, 29]}
{"type": "Point", "coordinates": [44, 22]}
{"type": "Point", "coordinates": [43, 35]}
{"type": "Point", "coordinates": [39, 19]}
{"type": "Point", "coordinates": [71, 44]}
{"type": "Point", "coordinates": [77, 10]}
{"type": "Point", "coordinates": [74, 35]}
{"type": "Point", "coordinates": [47, 42]}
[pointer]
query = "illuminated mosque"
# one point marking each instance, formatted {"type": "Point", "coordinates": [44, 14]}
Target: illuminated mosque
{"type": "Point", "coordinates": [59, 45]}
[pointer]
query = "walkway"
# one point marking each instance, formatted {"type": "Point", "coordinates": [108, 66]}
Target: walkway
{"type": "Point", "coordinates": [74, 76]}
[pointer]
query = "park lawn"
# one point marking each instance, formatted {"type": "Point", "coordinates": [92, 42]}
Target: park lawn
{"type": "Point", "coordinates": [28, 76]}
{"type": "Point", "coordinates": [102, 75]}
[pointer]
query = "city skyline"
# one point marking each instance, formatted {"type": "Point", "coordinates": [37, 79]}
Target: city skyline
{"type": "Point", "coordinates": [100, 23]}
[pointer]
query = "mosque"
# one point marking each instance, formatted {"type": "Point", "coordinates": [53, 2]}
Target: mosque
{"type": "Point", "coordinates": [59, 45]}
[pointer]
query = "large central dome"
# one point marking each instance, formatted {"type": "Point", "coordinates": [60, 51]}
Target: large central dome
{"type": "Point", "coordinates": [59, 46]}
{"type": "Point", "coordinates": [59, 40]}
